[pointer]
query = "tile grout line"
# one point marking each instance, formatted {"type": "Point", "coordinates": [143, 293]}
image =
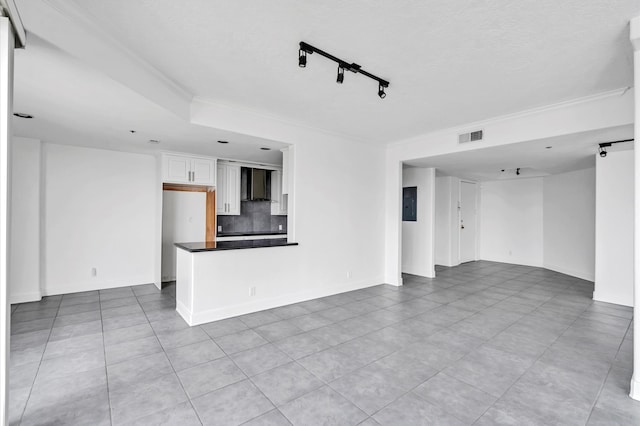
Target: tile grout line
{"type": "Point", "coordinates": [168, 359]}
{"type": "Point", "coordinates": [41, 359]}
{"type": "Point", "coordinates": [104, 350]}
{"type": "Point", "coordinates": [602, 385]}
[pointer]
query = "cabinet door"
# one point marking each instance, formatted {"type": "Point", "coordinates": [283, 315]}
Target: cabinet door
{"type": "Point", "coordinates": [203, 171]}
{"type": "Point", "coordinates": [221, 192]}
{"type": "Point", "coordinates": [276, 192]}
{"type": "Point", "coordinates": [278, 200]}
{"type": "Point", "coordinates": [233, 190]}
{"type": "Point", "coordinates": [176, 169]}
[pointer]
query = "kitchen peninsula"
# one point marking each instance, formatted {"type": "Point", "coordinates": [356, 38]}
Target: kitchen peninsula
{"type": "Point", "coordinates": [217, 280]}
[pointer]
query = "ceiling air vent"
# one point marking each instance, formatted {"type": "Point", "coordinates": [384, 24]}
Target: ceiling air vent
{"type": "Point", "coordinates": [470, 137]}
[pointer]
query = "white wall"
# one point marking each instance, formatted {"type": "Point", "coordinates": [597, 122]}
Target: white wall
{"type": "Point", "coordinates": [24, 278]}
{"type": "Point", "coordinates": [418, 236]}
{"type": "Point", "coordinates": [183, 220]}
{"type": "Point", "coordinates": [569, 223]}
{"type": "Point", "coordinates": [447, 237]}
{"type": "Point", "coordinates": [336, 208]}
{"type": "Point", "coordinates": [590, 113]}
{"type": "Point", "coordinates": [614, 228]}
{"type": "Point", "coordinates": [511, 213]}
{"type": "Point", "coordinates": [100, 211]}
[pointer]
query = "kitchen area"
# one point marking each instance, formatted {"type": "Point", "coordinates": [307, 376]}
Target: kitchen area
{"type": "Point", "coordinates": [212, 210]}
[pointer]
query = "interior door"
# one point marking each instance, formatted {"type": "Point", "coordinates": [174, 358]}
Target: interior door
{"type": "Point", "coordinates": [468, 222]}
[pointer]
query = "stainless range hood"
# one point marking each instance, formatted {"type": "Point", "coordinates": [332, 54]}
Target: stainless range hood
{"type": "Point", "coordinates": [256, 184]}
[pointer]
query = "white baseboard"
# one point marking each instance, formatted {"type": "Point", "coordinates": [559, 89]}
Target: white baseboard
{"type": "Point", "coordinates": [185, 313]}
{"type": "Point", "coordinates": [597, 296]}
{"type": "Point", "coordinates": [102, 285]}
{"type": "Point", "coordinates": [635, 387]}
{"type": "Point", "coordinates": [32, 296]}
{"type": "Point", "coordinates": [197, 318]}
{"type": "Point", "coordinates": [584, 275]}
{"type": "Point", "coordinates": [512, 261]}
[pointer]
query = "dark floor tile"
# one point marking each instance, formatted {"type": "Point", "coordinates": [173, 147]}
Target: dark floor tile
{"type": "Point", "coordinates": [413, 410]}
{"type": "Point", "coordinates": [131, 349]}
{"type": "Point", "coordinates": [232, 405]}
{"type": "Point", "coordinates": [213, 375]}
{"type": "Point", "coordinates": [182, 414]}
{"type": "Point", "coordinates": [184, 357]}
{"type": "Point", "coordinates": [145, 397]}
{"type": "Point", "coordinates": [257, 360]}
{"type": "Point", "coordinates": [323, 406]}
{"type": "Point", "coordinates": [285, 383]}
{"type": "Point", "coordinates": [223, 327]}
{"type": "Point", "coordinates": [455, 397]}
{"type": "Point", "coordinates": [134, 370]}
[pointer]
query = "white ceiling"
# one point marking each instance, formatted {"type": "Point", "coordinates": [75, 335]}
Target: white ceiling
{"type": "Point", "coordinates": [567, 153]}
{"type": "Point", "coordinates": [75, 105]}
{"type": "Point", "coordinates": [449, 63]}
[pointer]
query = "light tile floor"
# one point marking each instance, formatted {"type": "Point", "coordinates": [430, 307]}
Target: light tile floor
{"type": "Point", "coordinates": [484, 343]}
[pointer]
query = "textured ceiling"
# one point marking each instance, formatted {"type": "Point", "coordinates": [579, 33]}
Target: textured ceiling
{"type": "Point", "coordinates": [566, 153]}
{"type": "Point", "coordinates": [76, 105]}
{"type": "Point", "coordinates": [449, 62]}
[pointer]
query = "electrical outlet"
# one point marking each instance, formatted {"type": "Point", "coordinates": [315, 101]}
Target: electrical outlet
{"type": "Point", "coordinates": [279, 227]}
{"type": "Point", "coordinates": [219, 228]}
{"type": "Point", "coordinates": [253, 291]}
{"type": "Point", "coordinates": [94, 272]}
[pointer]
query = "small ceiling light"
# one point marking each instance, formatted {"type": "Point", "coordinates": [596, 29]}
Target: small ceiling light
{"type": "Point", "coordinates": [154, 141]}
{"type": "Point", "coordinates": [340, 78]}
{"type": "Point", "coordinates": [132, 131]}
{"type": "Point", "coordinates": [603, 151]}
{"type": "Point", "coordinates": [548, 147]}
{"type": "Point", "coordinates": [381, 91]}
{"type": "Point", "coordinates": [302, 58]}
{"type": "Point", "coordinates": [22, 115]}
{"type": "Point", "coordinates": [264, 148]}
{"type": "Point", "coordinates": [223, 142]}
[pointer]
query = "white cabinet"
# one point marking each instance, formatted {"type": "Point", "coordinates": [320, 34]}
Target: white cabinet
{"type": "Point", "coordinates": [228, 189]}
{"type": "Point", "coordinates": [278, 200]}
{"type": "Point", "coordinates": [188, 169]}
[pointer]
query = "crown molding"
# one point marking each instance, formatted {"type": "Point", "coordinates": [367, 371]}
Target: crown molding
{"type": "Point", "coordinates": [516, 115]}
{"type": "Point", "coordinates": [9, 8]}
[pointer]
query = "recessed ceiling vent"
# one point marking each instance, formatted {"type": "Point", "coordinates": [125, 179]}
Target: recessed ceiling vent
{"type": "Point", "coordinates": [470, 137]}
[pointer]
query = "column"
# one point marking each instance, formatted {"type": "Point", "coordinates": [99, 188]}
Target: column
{"type": "Point", "coordinates": [635, 380]}
{"type": "Point", "coordinates": [6, 108]}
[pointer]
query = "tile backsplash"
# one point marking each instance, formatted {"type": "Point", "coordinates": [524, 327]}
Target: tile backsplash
{"type": "Point", "coordinates": [255, 216]}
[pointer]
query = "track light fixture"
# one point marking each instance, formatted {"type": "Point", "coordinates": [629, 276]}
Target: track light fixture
{"type": "Point", "coordinates": [340, 78]}
{"type": "Point", "coordinates": [381, 91]}
{"type": "Point", "coordinates": [306, 48]}
{"type": "Point", "coordinates": [602, 147]}
{"type": "Point", "coordinates": [302, 58]}
{"type": "Point", "coordinates": [603, 151]}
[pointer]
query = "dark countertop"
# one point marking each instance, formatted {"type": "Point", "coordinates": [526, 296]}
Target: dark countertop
{"type": "Point", "coordinates": [249, 233]}
{"type": "Point", "coordinates": [233, 245]}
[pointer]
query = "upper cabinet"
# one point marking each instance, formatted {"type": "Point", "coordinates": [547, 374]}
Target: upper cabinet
{"type": "Point", "coordinates": [228, 189]}
{"type": "Point", "coordinates": [278, 200]}
{"type": "Point", "coordinates": [188, 169]}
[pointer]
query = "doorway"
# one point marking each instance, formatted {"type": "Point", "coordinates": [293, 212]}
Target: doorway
{"type": "Point", "coordinates": [468, 221]}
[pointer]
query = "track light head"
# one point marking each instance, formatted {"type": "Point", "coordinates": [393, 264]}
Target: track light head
{"type": "Point", "coordinates": [340, 78]}
{"type": "Point", "coordinates": [302, 58]}
{"type": "Point", "coordinates": [518, 171]}
{"type": "Point", "coordinates": [603, 152]}
{"type": "Point", "coordinates": [381, 91]}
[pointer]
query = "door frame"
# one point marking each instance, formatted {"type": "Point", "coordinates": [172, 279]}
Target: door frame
{"type": "Point", "coordinates": [477, 221]}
